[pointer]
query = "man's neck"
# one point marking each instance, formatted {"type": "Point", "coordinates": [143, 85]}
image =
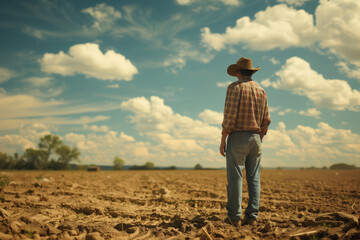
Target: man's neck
{"type": "Point", "coordinates": [245, 79]}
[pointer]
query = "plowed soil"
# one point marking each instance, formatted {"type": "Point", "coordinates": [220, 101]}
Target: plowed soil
{"type": "Point", "coordinates": [295, 204]}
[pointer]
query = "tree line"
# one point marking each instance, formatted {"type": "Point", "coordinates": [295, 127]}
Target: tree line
{"type": "Point", "coordinates": [51, 154]}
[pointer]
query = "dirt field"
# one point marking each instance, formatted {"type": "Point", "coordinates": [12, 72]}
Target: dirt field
{"type": "Point", "coordinates": [297, 204]}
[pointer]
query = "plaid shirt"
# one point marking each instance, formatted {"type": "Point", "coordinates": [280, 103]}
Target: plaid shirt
{"type": "Point", "coordinates": [246, 107]}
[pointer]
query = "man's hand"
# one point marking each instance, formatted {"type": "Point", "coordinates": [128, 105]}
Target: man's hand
{"type": "Point", "coordinates": [222, 147]}
{"type": "Point", "coordinates": [262, 136]}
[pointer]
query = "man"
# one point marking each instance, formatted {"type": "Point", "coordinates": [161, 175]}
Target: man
{"type": "Point", "coordinates": [246, 120]}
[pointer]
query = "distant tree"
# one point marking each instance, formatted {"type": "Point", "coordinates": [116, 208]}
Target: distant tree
{"type": "Point", "coordinates": [4, 161]}
{"type": "Point", "coordinates": [342, 166]}
{"type": "Point", "coordinates": [149, 165]}
{"type": "Point", "coordinates": [198, 166]}
{"type": "Point", "coordinates": [66, 155]}
{"type": "Point", "coordinates": [35, 159]}
{"type": "Point", "coordinates": [50, 146]}
{"type": "Point", "coordinates": [118, 163]}
{"type": "Point", "coordinates": [50, 143]}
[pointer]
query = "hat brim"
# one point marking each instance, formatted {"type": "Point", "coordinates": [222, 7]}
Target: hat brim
{"type": "Point", "coordinates": [232, 69]}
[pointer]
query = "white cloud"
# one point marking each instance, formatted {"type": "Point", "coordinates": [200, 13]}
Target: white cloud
{"type": "Point", "coordinates": [185, 2]}
{"type": "Point", "coordinates": [39, 81]}
{"type": "Point", "coordinates": [96, 128]}
{"type": "Point", "coordinates": [282, 27]}
{"type": "Point", "coordinates": [94, 147]}
{"type": "Point", "coordinates": [306, 146]}
{"type": "Point", "coordinates": [28, 138]}
{"type": "Point", "coordinates": [283, 112]}
{"type": "Point", "coordinates": [296, 3]}
{"type": "Point", "coordinates": [276, 27]}
{"type": "Point", "coordinates": [297, 76]}
{"type": "Point", "coordinates": [211, 117]}
{"type": "Point", "coordinates": [88, 59]}
{"type": "Point", "coordinates": [311, 112]}
{"type": "Point", "coordinates": [116, 85]}
{"type": "Point", "coordinates": [350, 71]}
{"type": "Point", "coordinates": [274, 61]}
{"type": "Point", "coordinates": [223, 84]}
{"type": "Point", "coordinates": [232, 2]}
{"type": "Point", "coordinates": [153, 117]}
{"type": "Point", "coordinates": [6, 74]}
{"type": "Point", "coordinates": [206, 2]}
{"type": "Point", "coordinates": [103, 15]}
{"type": "Point", "coordinates": [185, 52]}
{"type": "Point", "coordinates": [337, 21]}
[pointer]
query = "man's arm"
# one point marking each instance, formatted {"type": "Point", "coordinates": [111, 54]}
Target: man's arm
{"type": "Point", "coordinates": [266, 121]}
{"type": "Point", "coordinates": [230, 113]}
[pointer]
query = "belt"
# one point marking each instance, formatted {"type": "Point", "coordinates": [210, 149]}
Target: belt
{"type": "Point", "coordinates": [251, 132]}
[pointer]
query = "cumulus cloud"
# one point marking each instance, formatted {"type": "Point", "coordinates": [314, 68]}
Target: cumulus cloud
{"type": "Point", "coordinates": [283, 112]}
{"type": "Point", "coordinates": [282, 27]}
{"type": "Point", "coordinates": [311, 112]}
{"type": "Point", "coordinates": [185, 2]}
{"type": "Point", "coordinates": [103, 15]}
{"type": "Point", "coordinates": [274, 61]}
{"type": "Point", "coordinates": [28, 137]}
{"type": "Point", "coordinates": [296, 3]}
{"type": "Point", "coordinates": [337, 20]}
{"type": "Point", "coordinates": [305, 146]}
{"type": "Point", "coordinates": [225, 2]}
{"type": "Point", "coordinates": [277, 27]}
{"type": "Point", "coordinates": [6, 74]}
{"type": "Point", "coordinates": [211, 117]}
{"type": "Point", "coordinates": [232, 2]}
{"type": "Point", "coordinates": [297, 76]}
{"type": "Point", "coordinates": [96, 128]}
{"type": "Point", "coordinates": [349, 70]}
{"type": "Point", "coordinates": [152, 117]}
{"type": "Point", "coordinates": [88, 59]}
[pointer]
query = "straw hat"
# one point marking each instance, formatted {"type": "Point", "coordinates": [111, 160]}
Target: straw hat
{"type": "Point", "coordinates": [242, 63]}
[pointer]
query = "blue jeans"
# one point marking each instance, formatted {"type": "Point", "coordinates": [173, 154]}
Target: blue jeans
{"type": "Point", "coordinates": [243, 150]}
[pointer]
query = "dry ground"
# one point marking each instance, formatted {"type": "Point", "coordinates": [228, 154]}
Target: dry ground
{"type": "Point", "coordinates": [297, 204]}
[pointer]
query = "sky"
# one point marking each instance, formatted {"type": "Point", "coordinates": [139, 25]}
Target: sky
{"type": "Point", "coordinates": [146, 80]}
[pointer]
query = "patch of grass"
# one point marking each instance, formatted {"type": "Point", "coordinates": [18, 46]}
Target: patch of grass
{"type": "Point", "coordinates": [313, 237]}
{"type": "Point", "coordinates": [324, 225]}
{"type": "Point", "coordinates": [4, 181]}
{"type": "Point", "coordinates": [39, 177]}
{"type": "Point", "coordinates": [31, 234]}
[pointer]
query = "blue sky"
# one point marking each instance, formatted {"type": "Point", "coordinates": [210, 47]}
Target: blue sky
{"type": "Point", "coordinates": [146, 80]}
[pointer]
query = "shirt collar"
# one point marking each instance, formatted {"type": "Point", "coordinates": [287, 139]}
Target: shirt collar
{"type": "Point", "coordinates": [245, 79]}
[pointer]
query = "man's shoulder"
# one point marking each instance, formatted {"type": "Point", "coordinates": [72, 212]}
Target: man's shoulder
{"type": "Point", "coordinates": [233, 85]}
{"type": "Point", "coordinates": [256, 85]}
